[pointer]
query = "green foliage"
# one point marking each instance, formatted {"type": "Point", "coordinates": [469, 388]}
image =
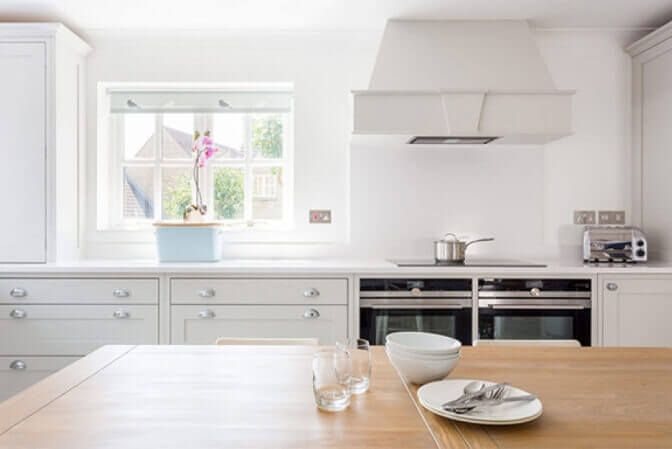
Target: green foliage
{"type": "Point", "coordinates": [267, 136]}
{"type": "Point", "coordinates": [229, 193]}
{"type": "Point", "coordinates": [177, 196]}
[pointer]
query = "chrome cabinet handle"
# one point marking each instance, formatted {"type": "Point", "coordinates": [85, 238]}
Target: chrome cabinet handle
{"type": "Point", "coordinates": [311, 314]}
{"type": "Point", "coordinates": [535, 292]}
{"type": "Point", "coordinates": [18, 313]}
{"type": "Point", "coordinates": [18, 292]}
{"type": "Point", "coordinates": [611, 286]}
{"type": "Point", "coordinates": [206, 293]}
{"type": "Point", "coordinates": [18, 365]}
{"type": "Point", "coordinates": [206, 314]}
{"type": "Point", "coordinates": [121, 292]}
{"type": "Point", "coordinates": [311, 293]}
{"type": "Point", "coordinates": [121, 314]}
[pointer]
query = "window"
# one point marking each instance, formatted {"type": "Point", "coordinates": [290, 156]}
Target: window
{"type": "Point", "coordinates": [151, 134]}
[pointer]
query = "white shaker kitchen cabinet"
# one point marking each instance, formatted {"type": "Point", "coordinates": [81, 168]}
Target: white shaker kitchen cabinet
{"type": "Point", "coordinates": [652, 139]}
{"type": "Point", "coordinates": [203, 324]}
{"type": "Point", "coordinates": [74, 330]}
{"type": "Point", "coordinates": [635, 311]}
{"type": "Point", "coordinates": [41, 110]}
{"type": "Point", "coordinates": [23, 231]}
{"type": "Point", "coordinates": [19, 373]}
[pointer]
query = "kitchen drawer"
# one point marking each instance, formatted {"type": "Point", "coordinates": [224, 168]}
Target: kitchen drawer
{"type": "Point", "coordinates": [259, 291]}
{"type": "Point", "coordinates": [204, 324]}
{"type": "Point", "coordinates": [19, 373]}
{"type": "Point", "coordinates": [78, 291]}
{"type": "Point", "coordinates": [74, 330]}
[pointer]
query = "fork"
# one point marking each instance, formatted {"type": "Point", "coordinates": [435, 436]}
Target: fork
{"type": "Point", "coordinates": [471, 405]}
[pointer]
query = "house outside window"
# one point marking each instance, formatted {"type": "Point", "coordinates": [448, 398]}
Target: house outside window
{"type": "Point", "coordinates": [150, 136]}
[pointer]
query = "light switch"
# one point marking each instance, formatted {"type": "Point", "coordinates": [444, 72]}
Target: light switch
{"type": "Point", "coordinates": [319, 216]}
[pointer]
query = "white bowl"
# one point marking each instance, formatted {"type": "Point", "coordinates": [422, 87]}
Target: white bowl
{"type": "Point", "coordinates": [423, 343]}
{"type": "Point", "coordinates": [422, 371]}
{"type": "Point", "coordinates": [419, 356]}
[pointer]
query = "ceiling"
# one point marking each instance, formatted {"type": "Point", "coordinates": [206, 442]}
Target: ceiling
{"type": "Point", "coordinates": [331, 14]}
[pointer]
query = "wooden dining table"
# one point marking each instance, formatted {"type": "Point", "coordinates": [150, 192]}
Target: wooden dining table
{"type": "Point", "coordinates": [202, 397]}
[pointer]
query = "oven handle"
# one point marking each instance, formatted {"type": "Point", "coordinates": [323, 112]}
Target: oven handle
{"type": "Point", "coordinates": [539, 307]}
{"type": "Point", "coordinates": [559, 304]}
{"type": "Point", "coordinates": [413, 306]}
{"type": "Point", "coordinates": [382, 303]}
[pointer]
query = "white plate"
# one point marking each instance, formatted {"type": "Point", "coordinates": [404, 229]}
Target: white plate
{"type": "Point", "coordinates": [432, 395]}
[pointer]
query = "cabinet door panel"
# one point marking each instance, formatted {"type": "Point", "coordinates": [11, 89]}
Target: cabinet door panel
{"type": "Point", "coordinates": [204, 324]}
{"type": "Point", "coordinates": [19, 373]}
{"type": "Point", "coordinates": [637, 312]}
{"type": "Point", "coordinates": [74, 330]}
{"type": "Point", "coordinates": [23, 152]}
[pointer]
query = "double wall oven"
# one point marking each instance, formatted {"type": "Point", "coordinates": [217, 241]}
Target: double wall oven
{"type": "Point", "coordinates": [502, 308]}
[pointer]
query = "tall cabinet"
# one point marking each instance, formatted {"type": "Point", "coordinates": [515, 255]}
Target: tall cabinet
{"type": "Point", "coordinates": [41, 116]}
{"type": "Point", "coordinates": [652, 139]}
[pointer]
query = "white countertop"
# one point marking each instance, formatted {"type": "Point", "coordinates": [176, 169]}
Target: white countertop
{"type": "Point", "coordinates": [316, 266]}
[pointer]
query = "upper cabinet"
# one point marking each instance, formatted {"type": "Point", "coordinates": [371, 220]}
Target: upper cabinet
{"type": "Point", "coordinates": [652, 138]}
{"type": "Point", "coordinates": [41, 114]}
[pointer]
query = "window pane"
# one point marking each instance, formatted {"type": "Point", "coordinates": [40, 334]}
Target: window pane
{"type": "Point", "coordinates": [176, 191]}
{"type": "Point", "coordinates": [139, 139]}
{"type": "Point", "coordinates": [138, 201]}
{"type": "Point", "coordinates": [267, 193]}
{"type": "Point", "coordinates": [178, 136]}
{"type": "Point", "coordinates": [267, 136]}
{"type": "Point", "coordinates": [229, 192]}
{"type": "Point", "coordinates": [229, 131]}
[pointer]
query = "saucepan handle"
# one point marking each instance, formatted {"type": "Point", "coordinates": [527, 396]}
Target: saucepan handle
{"type": "Point", "coordinates": [488, 239]}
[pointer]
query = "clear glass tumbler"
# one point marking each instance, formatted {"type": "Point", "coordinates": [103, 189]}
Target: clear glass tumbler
{"type": "Point", "coordinates": [332, 370]}
{"type": "Point", "coordinates": [360, 353]}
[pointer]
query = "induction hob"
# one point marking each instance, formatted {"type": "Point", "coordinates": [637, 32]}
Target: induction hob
{"type": "Point", "coordinates": [485, 263]}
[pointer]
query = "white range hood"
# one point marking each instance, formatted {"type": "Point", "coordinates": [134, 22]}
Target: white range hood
{"type": "Point", "coordinates": [460, 82]}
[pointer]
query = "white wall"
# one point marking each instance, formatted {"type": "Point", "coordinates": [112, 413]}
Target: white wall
{"type": "Point", "coordinates": [401, 199]}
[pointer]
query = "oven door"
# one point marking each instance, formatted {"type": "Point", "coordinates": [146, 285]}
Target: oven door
{"type": "Point", "coordinates": [509, 319]}
{"type": "Point", "coordinates": [376, 321]}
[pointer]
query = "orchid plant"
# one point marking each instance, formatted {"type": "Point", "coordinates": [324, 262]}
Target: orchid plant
{"type": "Point", "coordinates": [203, 149]}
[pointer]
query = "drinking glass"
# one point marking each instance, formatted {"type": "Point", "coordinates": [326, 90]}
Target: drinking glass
{"type": "Point", "coordinates": [331, 379]}
{"type": "Point", "coordinates": [360, 353]}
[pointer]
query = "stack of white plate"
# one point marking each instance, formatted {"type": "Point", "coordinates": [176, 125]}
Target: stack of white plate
{"type": "Point", "coordinates": [422, 357]}
{"type": "Point", "coordinates": [433, 395]}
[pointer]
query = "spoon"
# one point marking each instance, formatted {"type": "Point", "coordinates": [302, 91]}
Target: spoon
{"type": "Point", "coordinates": [494, 391]}
{"type": "Point", "coordinates": [473, 387]}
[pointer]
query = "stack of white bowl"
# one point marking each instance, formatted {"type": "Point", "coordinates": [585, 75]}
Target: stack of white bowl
{"type": "Point", "coordinates": [422, 357]}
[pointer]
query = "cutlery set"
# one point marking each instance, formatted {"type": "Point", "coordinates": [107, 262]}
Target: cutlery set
{"type": "Point", "coordinates": [476, 395]}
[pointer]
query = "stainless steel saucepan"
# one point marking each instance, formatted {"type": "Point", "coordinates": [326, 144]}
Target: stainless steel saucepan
{"type": "Point", "coordinates": [450, 249]}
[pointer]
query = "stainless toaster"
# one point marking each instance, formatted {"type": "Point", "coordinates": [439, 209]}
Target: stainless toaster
{"type": "Point", "coordinates": [614, 244]}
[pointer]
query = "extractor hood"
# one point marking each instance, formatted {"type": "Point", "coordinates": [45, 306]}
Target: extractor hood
{"type": "Point", "coordinates": [456, 82]}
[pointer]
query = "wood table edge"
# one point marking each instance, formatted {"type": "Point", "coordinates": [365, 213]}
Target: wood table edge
{"type": "Point", "coordinates": [21, 406]}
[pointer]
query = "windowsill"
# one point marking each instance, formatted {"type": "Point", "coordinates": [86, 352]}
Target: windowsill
{"type": "Point", "coordinates": [288, 235]}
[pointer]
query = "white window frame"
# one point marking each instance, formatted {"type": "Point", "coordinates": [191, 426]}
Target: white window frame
{"type": "Point", "coordinates": [111, 193]}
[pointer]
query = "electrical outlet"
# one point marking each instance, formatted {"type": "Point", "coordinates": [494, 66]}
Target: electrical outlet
{"type": "Point", "coordinates": [611, 217]}
{"type": "Point", "coordinates": [319, 216]}
{"type": "Point", "coordinates": [584, 217]}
